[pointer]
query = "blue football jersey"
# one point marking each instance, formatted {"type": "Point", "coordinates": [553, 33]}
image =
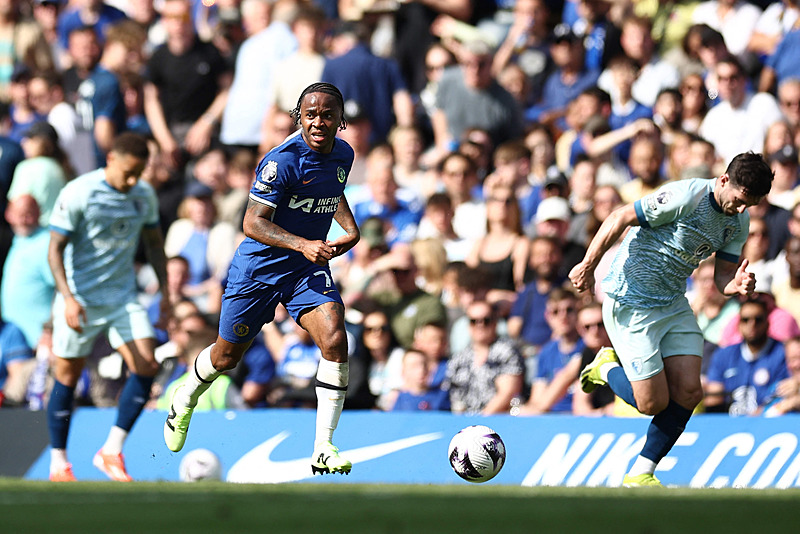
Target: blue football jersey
{"type": "Point", "coordinates": [681, 224]}
{"type": "Point", "coordinates": [304, 188]}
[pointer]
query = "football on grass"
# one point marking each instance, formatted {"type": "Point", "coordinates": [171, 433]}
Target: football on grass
{"type": "Point", "coordinates": [477, 453]}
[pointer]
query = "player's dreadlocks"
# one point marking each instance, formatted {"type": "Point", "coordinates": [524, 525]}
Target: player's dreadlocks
{"type": "Point", "coordinates": [320, 87]}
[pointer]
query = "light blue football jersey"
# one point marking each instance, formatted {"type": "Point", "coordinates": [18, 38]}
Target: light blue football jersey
{"type": "Point", "coordinates": [680, 225]}
{"type": "Point", "coordinates": [103, 225]}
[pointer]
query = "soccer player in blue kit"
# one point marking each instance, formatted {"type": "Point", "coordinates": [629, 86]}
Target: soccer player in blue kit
{"type": "Point", "coordinates": [299, 190]}
{"type": "Point", "coordinates": [654, 364]}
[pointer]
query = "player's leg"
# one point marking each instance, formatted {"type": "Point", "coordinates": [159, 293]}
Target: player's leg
{"type": "Point", "coordinates": [67, 372]}
{"type": "Point", "coordinates": [325, 324]}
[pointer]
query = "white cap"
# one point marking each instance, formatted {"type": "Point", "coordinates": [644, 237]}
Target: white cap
{"type": "Point", "coordinates": [553, 208]}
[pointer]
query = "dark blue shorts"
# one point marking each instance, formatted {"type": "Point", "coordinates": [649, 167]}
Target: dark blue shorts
{"type": "Point", "coordinates": [247, 304]}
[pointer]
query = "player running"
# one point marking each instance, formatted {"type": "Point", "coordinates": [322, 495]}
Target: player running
{"type": "Point", "coordinates": [655, 363]}
{"type": "Point", "coordinates": [284, 259]}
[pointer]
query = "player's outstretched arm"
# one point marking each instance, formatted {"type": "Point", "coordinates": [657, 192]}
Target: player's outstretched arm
{"type": "Point", "coordinates": [733, 279]}
{"type": "Point", "coordinates": [582, 275]}
{"type": "Point", "coordinates": [344, 216]}
{"type": "Point", "coordinates": [258, 225]}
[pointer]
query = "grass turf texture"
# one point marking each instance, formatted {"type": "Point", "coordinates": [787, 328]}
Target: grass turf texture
{"type": "Point", "coordinates": [149, 507]}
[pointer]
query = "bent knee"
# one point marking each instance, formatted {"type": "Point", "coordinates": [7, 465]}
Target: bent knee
{"type": "Point", "coordinates": [334, 345]}
{"type": "Point", "coordinates": [652, 406]}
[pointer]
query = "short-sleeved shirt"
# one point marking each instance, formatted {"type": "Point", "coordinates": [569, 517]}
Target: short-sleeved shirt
{"type": "Point", "coordinates": [551, 360]}
{"type": "Point", "coordinates": [12, 347]}
{"type": "Point", "coordinates": [681, 224]}
{"type": "Point", "coordinates": [748, 383]}
{"type": "Point", "coordinates": [100, 96]}
{"type": "Point", "coordinates": [103, 225]}
{"type": "Point", "coordinates": [472, 388]}
{"type": "Point", "coordinates": [71, 20]}
{"type": "Point", "coordinates": [304, 188]}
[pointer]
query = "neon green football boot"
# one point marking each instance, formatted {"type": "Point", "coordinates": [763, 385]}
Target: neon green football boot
{"type": "Point", "coordinates": [641, 481]}
{"type": "Point", "coordinates": [326, 460]}
{"type": "Point", "coordinates": [177, 424]}
{"type": "Point", "coordinates": [590, 376]}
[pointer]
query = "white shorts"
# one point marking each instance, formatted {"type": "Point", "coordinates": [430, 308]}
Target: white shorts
{"type": "Point", "coordinates": [643, 337]}
{"type": "Point", "coordinates": [122, 324]}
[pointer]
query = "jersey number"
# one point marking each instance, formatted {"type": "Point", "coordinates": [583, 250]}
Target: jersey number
{"type": "Point", "coordinates": [327, 278]}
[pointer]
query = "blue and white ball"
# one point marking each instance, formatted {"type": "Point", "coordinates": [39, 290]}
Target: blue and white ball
{"type": "Point", "coordinates": [200, 464]}
{"type": "Point", "coordinates": [477, 453]}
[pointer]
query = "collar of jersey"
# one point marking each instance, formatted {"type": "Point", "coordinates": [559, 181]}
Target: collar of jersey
{"type": "Point", "coordinates": [714, 202]}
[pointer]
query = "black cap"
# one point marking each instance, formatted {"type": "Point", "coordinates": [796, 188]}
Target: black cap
{"type": "Point", "coordinates": [21, 73]}
{"type": "Point", "coordinates": [786, 155]}
{"type": "Point", "coordinates": [563, 32]}
{"type": "Point", "coordinates": [198, 190]}
{"type": "Point", "coordinates": [555, 178]}
{"type": "Point", "coordinates": [354, 111]}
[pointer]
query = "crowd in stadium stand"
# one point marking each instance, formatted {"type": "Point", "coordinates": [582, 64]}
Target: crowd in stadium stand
{"type": "Point", "coordinates": [492, 138]}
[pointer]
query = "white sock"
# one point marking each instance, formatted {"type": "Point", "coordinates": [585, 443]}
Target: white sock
{"type": "Point", "coordinates": [115, 440]}
{"type": "Point", "coordinates": [330, 401]}
{"type": "Point", "coordinates": [58, 460]}
{"type": "Point", "coordinates": [641, 466]}
{"type": "Point", "coordinates": [201, 375]}
{"type": "Point", "coordinates": [605, 368]}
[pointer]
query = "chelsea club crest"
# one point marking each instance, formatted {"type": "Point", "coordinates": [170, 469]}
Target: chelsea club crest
{"type": "Point", "coordinates": [270, 171]}
{"type": "Point", "coordinates": [340, 174]}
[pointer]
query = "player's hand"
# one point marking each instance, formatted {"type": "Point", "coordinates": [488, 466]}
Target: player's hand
{"type": "Point", "coordinates": [744, 281]}
{"type": "Point", "coordinates": [582, 278]}
{"type": "Point", "coordinates": [318, 252]}
{"type": "Point", "coordinates": [74, 314]}
{"type": "Point", "coordinates": [342, 244]}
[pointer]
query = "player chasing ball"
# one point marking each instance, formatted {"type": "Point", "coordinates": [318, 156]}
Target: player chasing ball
{"type": "Point", "coordinates": [654, 364]}
{"type": "Point", "coordinates": [299, 190]}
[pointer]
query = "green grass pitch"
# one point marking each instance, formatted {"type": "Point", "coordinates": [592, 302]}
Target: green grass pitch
{"type": "Point", "coordinates": [171, 507]}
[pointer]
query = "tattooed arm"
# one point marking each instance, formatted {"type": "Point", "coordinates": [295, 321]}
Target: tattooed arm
{"type": "Point", "coordinates": [345, 218]}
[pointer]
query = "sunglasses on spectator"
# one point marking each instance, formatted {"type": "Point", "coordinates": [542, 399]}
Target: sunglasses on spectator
{"type": "Point", "coordinates": [483, 321]}
{"type": "Point", "coordinates": [589, 326]}
{"type": "Point", "coordinates": [758, 319]}
{"type": "Point", "coordinates": [791, 103]}
{"type": "Point", "coordinates": [376, 328]}
{"type": "Point", "coordinates": [566, 310]}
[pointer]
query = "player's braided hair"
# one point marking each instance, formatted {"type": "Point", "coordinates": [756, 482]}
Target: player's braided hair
{"type": "Point", "coordinates": [320, 87]}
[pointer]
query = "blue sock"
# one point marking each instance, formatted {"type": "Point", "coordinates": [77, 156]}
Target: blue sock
{"type": "Point", "coordinates": [665, 429]}
{"type": "Point", "coordinates": [621, 386]}
{"type": "Point", "coordinates": [132, 400]}
{"type": "Point", "coordinates": [59, 411]}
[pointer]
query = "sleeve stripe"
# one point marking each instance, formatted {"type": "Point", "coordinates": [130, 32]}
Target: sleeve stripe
{"type": "Point", "coordinates": [62, 231]}
{"type": "Point", "coordinates": [733, 258]}
{"type": "Point", "coordinates": [262, 201]}
{"type": "Point", "coordinates": [640, 214]}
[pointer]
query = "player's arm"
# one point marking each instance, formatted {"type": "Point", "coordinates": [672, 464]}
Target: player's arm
{"type": "Point", "coordinates": [73, 311]}
{"type": "Point", "coordinates": [153, 242]}
{"type": "Point", "coordinates": [582, 275]}
{"type": "Point", "coordinates": [258, 225]}
{"type": "Point", "coordinates": [344, 216]}
{"type": "Point", "coordinates": [732, 278]}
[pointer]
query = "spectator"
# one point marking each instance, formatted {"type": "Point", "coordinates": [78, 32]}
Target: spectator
{"type": "Point", "coordinates": [437, 59]}
{"type": "Point", "coordinates": [372, 81]}
{"type": "Point", "coordinates": [785, 397]}
{"type": "Point", "coordinates": [299, 68]}
{"type": "Point", "coordinates": [21, 111]}
{"type": "Point", "coordinates": [296, 367]}
{"type": "Point", "coordinates": [385, 357]}
{"type": "Point", "coordinates": [787, 293]}
{"type": "Point", "coordinates": [23, 44]}
{"type": "Point", "coordinates": [431, 260]}
{"type": "Point", "coordinates": [208, 244]}
{"type": "Point", "coordinates": [553, 219]}
{"type": "Point", "coordinates": [740, 376]}
{"type": "Point", "coordinates": [27, 289]}
{"type": "Point", "coordinates": [694, 105]}
{"type": "Point", "coordinates": [484, 377]}
{"type": "Point", "coordinates": [564, 345]}
{"type": "Point", "coordinates": [83, 53]}
{"type": "Point", "coordinates": [789, 102]}
{"type": "Point", "coordinates": [416, 393]}
{"type": "Point", "coordinates": [470, 97]}
{"type": "Point", "coordinates": [712, 309]}
{"type": "Point", "coordinates": [407, 145]}
{"type": "Point", "coordinates": [625, 109]}
{"type": "Point", "coordinates": [14, 367]}
{"type": "Point", "coordinates": [774, 23]}
{"type": "Point", "coordinates": [652, 74]}
{"type": "Point", "coordinates": [736, 20]}
{"type": "Point", "coordinates": [95, 14]}
{"type": "Point", "coordinates": [784, 163]}
{"type": "Point", "coordinates": [42, 174]}
{"type": "Point", "coordinates": [779, 134]}
{"type": "Point", "coordinates": [431, 340]}
{"type": "Point", "coordinates": [177, 279]}
{"type": "Point", "coordinates": [256, 67]}
{"type": "Point", "coordinates": [457, 174]}
{"type": "Point", "coordinates": [668, 115]}
{"type": "Point", "coordinates": [238, 180]}
{"type": "Point", "coordinates": [740, 121]}
{"type": "Point", "coordinates": [783, 64]}
{"type": "Point", "coordinates": [437, 223]}
{"type": "Point", "coordinates": [645, 161]}
{"type": "Point", "coordinates": [187, 87]}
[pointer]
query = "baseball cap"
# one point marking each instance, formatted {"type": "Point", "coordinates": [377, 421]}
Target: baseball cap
{"type": "Point", "coordinates": [198, 190]}
{"type": "Point", "coordinates": [553, 208]}
{"type": "Point", "coordinates": [21, 73]}
{"type": "Point", "coordinates": [563, 32]}
{"type": "Point", "coordinates": [372, 232]}
{"type": "Point", "coordinates": [354, 111]}
{"type": "Point", "coordinates": [786, 155]}
{"type": "Point", "coordinates": [555, 179]}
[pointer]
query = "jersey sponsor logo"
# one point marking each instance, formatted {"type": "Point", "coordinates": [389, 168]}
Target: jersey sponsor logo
{"type": "Point", "coordinates": [270, 171]}
{"type": "Point", "coordinates": [311, 205]}
{"type": "Point", "coordinates": [264, 188]}
{"type": "Point", "coordinates": [241, 329]}
{"type": "Point", "coordinates": [341, 175]}
{"type": "Point", "coordinates": [702, 250]}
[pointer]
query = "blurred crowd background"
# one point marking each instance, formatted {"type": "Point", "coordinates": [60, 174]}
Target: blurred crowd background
{"type": "Point", "coordinates": [492, 138]}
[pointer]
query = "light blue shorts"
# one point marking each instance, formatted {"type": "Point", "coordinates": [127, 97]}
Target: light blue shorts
{"type": "Point", "coordinates": [643, 337]}
{"type": "Point", "coordinates": [122, 324]}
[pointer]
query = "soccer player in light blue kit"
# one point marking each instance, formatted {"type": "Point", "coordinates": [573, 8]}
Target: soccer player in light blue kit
{"type": "Point", "coordinates": [298, 192]}
{"type": "Point", "coordinates": [94, 233]}
{"type": "Point", "coordinates": [655, 363]}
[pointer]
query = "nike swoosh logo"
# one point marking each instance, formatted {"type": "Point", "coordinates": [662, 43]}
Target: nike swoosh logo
{"type": "Point", "coordinates": [255, 467]}
{"type": "Point", "coordinates": [309, 181]}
